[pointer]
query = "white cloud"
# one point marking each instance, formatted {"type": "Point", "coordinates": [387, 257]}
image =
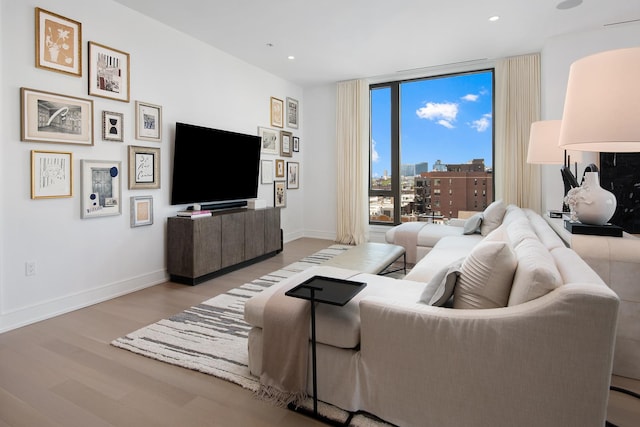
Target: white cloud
{"type": "Point", "coordinates": [483, 123]}
{"type": "Point", "coordinates": [445, 123]}
{"type": "Point", "coordinates": [470, 97]}
{"type": "Point", "coordinates": [443, 113]}
{"type": "Point", "coordinates": [375, 157]}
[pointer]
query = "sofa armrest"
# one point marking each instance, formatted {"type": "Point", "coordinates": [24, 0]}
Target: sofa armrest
{"type": "Point", "coordinates": [466, 366]}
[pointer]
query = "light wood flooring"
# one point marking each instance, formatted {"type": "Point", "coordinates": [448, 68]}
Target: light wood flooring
{"type": "Point", "coordinates": [63, 372]}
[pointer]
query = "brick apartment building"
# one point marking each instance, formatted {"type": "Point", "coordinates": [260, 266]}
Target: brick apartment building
{"type": "Point", "coordinates": [462, 187]}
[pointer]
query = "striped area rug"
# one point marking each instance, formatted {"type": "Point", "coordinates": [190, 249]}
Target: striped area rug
{"type": "Point", "coordinates": [211, 337]}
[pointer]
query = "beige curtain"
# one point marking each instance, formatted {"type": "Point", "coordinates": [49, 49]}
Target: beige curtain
{"type": "Point", "coordinates": [517, 106]}
{"type": "Point", "coordinates": [353, 154]}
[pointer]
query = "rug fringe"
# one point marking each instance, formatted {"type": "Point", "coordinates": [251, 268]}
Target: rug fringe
{"type": "Point", "coordinates": [278, 397]}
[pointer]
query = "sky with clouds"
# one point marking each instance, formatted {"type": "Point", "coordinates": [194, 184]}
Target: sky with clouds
{"type": "Point", "coordinates": [448, 119]}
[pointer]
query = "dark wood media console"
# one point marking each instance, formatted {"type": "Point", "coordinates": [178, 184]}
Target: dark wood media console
{"type": "Point", "coordinates": [202, 248]}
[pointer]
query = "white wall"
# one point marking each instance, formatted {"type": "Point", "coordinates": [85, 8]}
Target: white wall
{"type": "Point", "coordinates": [320, 198]}
{"type": "Point", "coordinates": [556, 58]}
{"type": "Point", "coordinates": [83, 261]}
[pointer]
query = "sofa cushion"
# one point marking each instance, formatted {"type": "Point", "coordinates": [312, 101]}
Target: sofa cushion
{"type": "Point", "coordinates": [573, 268]}
{"type": "Point", "coordinates": [519, 230]}
{"type": "Point", "coordinates": [441, 286]}
{"type": "Point", "coordinates": [512, 212]}
{"type": "Point", "coordinates": [492, 217]}
{"type": "Point", "coordinates": [446, 251]}
{"type": "Point", "coordinates": [472, 224]}
{"type": "Point", "coordinates": [430, 234]}
{"type": "Point", "coordinates": [546, 234]}
{"type": "Point", "coordinates": [536, 274]}
{"type": "Point", "coordinates": [486, 276]}
{"type": "Point", "coordinates": [497, 235]}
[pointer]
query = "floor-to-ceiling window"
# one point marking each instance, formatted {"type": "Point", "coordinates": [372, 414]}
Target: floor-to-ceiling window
{"type": "Point", "coordinates": [431, 148]}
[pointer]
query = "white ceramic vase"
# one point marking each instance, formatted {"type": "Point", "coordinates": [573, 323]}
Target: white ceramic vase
{"type": "Point", "coordinates": [595, 205]}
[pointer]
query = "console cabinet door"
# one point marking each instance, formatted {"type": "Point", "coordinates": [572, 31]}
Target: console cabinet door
{"type": "Point", "coordinates": [254, 234]}
{"type": "Point", "coordinates": [206, 246]}
{"type": "Point", "coordinates": [232, 238]}
{"type": "Point", "coordinates": [273, 238]}
{"type": "Point", "coordinates": [194, 246]}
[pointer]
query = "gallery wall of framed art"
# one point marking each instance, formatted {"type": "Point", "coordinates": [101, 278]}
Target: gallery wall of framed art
{"type": "Point", "coordinates": [98, 116]}
{"type": "Point", "coordinates": [280, 141]}
{"type": "Point", "coordinates": [49, 116]}
{"type": "Point", "coordinates": [80, 91]}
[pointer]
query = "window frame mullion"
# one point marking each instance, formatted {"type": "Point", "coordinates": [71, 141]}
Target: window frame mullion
{"type": "Point", "coordinates": [395, 152]}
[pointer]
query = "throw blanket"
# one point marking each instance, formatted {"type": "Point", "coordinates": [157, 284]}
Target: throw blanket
{"type": "Point", "coordinates": [284, 361]}
{"type": "Point", "coordinates": [406, 235]}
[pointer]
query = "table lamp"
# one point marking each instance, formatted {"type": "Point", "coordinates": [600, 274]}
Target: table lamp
{"type": "Point", "coordinates": [544, 149]}
{"type": "Point", "coordinates": [601, 114]}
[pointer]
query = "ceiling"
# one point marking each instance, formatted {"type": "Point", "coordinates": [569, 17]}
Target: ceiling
{"type": "Point", "coordinates": [335, 40]}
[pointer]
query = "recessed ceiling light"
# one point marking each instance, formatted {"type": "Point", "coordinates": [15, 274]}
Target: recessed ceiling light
{"type": "Point", "coordinates": [568, 4]}
{"type": "Point", "coordinates": [494, 18]}
{"type": "Point", "coordinates": [291, 57]}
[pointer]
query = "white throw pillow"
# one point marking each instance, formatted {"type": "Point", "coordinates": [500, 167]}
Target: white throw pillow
{"type": "Point", "coordinates": [486, 276]}
{"type": "Point", "coordinates": [537, 273]}
{"type": "Point", "coordinates": [492, 217]}
{"type": "Point", "coordinates": [441, 286]}
{"type": "Point", "coordinates": [472, 224]}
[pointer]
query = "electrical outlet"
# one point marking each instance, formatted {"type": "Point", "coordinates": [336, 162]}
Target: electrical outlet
{"type": "Point", "coordinates": [30, 268]}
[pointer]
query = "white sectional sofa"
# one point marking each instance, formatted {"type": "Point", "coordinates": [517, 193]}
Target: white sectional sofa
{"type": "Point", "coordinates": [528, 341]}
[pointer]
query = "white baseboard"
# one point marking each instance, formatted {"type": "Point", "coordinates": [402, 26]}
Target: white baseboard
{"type": "Point", "coordinates": [54, 307]}
{"type": "Point", "coordinates": [319, 235]}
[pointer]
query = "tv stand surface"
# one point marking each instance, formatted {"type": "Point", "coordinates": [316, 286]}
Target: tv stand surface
{"type": "Point", "coordinates": [202, 248]}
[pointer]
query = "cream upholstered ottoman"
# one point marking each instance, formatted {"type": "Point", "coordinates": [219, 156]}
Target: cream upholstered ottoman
{"type": "Point", "coordinates": [370, 257]}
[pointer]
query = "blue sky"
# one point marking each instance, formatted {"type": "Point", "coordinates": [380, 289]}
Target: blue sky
{"type": "Point", "coordinates": [448, 119]}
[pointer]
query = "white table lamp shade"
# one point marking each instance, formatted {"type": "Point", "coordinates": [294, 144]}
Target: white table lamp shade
{"type": "Point", "coordinates": [543, 143]}
{"type": "Point", "coordinates": [602, 104]}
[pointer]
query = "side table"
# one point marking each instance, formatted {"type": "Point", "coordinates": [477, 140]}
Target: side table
{"type": "Point", "coordinates": [327, 290]}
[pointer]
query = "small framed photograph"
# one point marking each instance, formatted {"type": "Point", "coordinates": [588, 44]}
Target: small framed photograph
{"type": "Point", "coordinates": [49, 117]}
{"type": "Point", "coordinates": [267, 172]}
{"type": "Point", "coordinates": [144, 167]}
{"type": "Point", "coordinates": [148, 122]}
{"type": "Point", "coordinates": [51, 174]}
{"type": "Point", "coordinates": [101, 188]}
{"type": "Point", "coordinates": [112, 126]}
{"type": "Point", "coordinates": [296, 144]}
{"type": "Point", "coordinates": [292, 113]}
{"type": "Point", "coordinates": [58, 43]}
{"type": "Point", "coordinates": [141, 211]}
{"type": "Point", "coordinates": [279, 168]}
{"type": "Point", "coordinates": [293, 175]}
{"type": "Point", "coordinates": [285, 143]}
{"type": "Point", "coordinates": [279, 194]}
{"type": "Point", "coordinates": [277, 112]}
{"type": "Point", "coordinates": [108, 72]}
{"type": "Point", "coordinates": [270, 140]}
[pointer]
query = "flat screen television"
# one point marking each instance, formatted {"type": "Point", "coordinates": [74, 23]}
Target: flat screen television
{"type": "Point", "coordinates": [212, 167]}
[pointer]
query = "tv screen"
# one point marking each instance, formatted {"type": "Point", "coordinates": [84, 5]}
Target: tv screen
{"type": "Point", "coordinates": [213, 165]}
